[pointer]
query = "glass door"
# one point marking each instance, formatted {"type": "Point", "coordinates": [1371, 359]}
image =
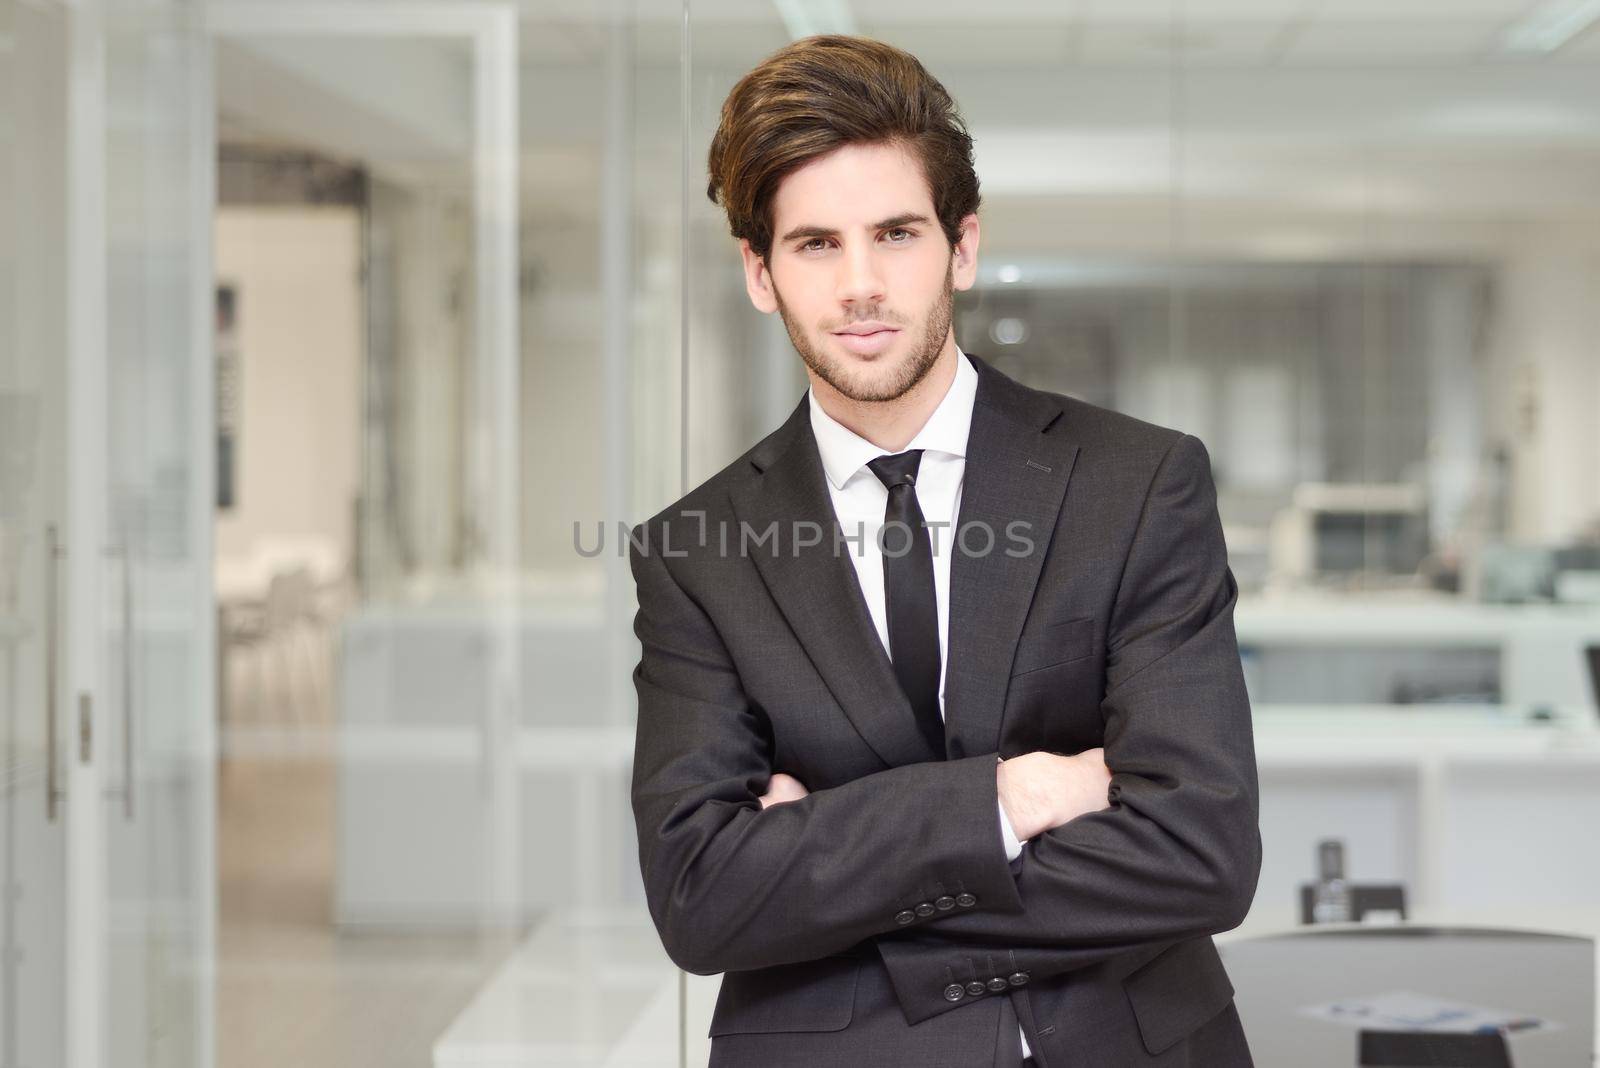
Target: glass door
{"type": "Point", "coordinates": [33, 533]}
{"type": "Point", "coordinates": [157, 747]}
{"type": "Point", "coordinates": [365, 252]}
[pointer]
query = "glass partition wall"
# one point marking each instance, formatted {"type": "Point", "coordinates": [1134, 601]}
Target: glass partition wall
{"type": "Point", "coordinates": [34, 523]}
{"type": "Point", "coordinates": [156, 733]}
{"type": "Point", "coordinates": [105, 617]}
{"type": "Point", "coordinates": [376, 628]}
{"type": "Point", "coordinates": [452, 276]}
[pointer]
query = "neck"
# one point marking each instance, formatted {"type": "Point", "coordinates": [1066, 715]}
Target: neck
{"type": "Point", "coordinates": [891, 424]}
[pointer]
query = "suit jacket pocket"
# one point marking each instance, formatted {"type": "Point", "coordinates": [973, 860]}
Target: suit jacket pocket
{"type": "Point", "coordinates": [813, 995]}
{"type": "Point", "coordinates": [1177, 991]}
{"type": "Point", "coordinates": [1054, 643]}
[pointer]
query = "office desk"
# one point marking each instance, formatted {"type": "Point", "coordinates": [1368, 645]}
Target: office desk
{"type": "Point", "coordinates": [1514, 988]}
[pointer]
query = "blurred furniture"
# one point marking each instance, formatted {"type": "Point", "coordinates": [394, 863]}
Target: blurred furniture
{"type": "Point", "coordinates": [1414, 1049]}
{"type": "Point", "coordinates": [1469, 806]}
{"type": "Point", "coordinates": [1333, 530]}
{"type": "Point", "coordinates": [1277, 977]}
{"type": "Point", "coordinates": [279, 601]}
{"type": "Point", "coordinates": [463, 776]}
{"type": "Point", "coordinates": [1417, 791]}
{"type": "Point", "coordinates": [1513, 574]}
{"type": "Point", "coordinates": [1364, 898]}
{"type": "Point", "coordinates": [1415, 649]}
{"type": "Point", "coordinates": [283, 631]}
{"type": "Point", "coordinates": [243, 578]}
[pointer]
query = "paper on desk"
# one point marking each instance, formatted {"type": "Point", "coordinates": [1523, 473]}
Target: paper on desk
{"type": "Point", "coordinates": [1403, 1010]}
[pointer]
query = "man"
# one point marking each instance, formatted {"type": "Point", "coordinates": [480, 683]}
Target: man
{"type": "Point", "coordinates": [927, 568]}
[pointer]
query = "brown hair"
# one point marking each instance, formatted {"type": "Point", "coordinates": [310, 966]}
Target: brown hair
{"type": "Point", "coordinates": [817, 94]}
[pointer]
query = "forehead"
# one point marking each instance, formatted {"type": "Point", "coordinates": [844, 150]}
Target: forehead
{"type": "Point", "coordinates": [852, 186]}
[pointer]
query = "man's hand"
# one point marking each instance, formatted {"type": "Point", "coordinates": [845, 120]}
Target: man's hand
{"type": "Point", "coordinates": [781, 788]}
{"type": "Point", "coordinates": [1041, 790]}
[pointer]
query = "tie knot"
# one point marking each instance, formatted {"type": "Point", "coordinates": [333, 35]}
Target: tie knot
{"type": "Point", "coordinates": [898, 469]}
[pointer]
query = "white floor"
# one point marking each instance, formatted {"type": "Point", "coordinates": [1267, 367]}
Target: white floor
{"type": "Point", "coordinates": [291, 989]}
{"type": "Point", "coordinates": [587, 988]}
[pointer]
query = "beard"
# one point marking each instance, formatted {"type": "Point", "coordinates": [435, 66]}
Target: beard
{"type": "Point", "coordinates": [875, 383]}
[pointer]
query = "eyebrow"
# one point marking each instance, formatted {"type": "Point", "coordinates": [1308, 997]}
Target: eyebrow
{"type": "Point", "coordinates": [903, 219]}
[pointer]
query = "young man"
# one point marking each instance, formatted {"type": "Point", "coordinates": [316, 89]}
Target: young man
{"type": "Point", "coordinates": [929, 567]}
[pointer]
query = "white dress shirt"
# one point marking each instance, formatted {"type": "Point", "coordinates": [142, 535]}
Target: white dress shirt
{"type": "Point", "coordinates": [860, 499]}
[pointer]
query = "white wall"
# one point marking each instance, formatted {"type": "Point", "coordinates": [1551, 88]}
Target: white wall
{"type": "Point", "coordinates": [1550, 350]}
{"type": "Point", "coordinates": [296, 270]}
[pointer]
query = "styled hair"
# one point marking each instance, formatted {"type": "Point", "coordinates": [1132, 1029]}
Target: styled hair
{"type": "Point", "coordinates": [820, 93]}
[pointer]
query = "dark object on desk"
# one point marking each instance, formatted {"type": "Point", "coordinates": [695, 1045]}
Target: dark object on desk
{"type": "Point", "coordinates": [1593, 654]}
{"type": "Point", "coordinates": [1433, 1049]}
{"type": "Point", "coordinates": [1330, 894]}
{"type": "Point", "coordinates": [1364, 898]}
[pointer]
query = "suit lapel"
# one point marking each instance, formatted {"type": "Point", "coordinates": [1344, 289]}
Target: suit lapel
{"type": "Point", "coordinates": [1014, 473]}
{"type": "Point", "coordinates": [818, 592]}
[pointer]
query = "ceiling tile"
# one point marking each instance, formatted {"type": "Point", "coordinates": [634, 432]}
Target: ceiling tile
{"type": "Point", "coordinates": [979, 44]}
{"type": "Point", "coordinates": [1389, 42]}
{"type": "Point", "coordinates": [1233, 42]}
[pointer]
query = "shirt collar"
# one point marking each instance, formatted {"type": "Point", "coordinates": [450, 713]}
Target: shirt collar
{"type": "Point", "coordinates": [844, 452]}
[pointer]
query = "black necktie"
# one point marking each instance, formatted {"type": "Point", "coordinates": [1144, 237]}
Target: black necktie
{"type": "Point", "coordinates": [911, 605]}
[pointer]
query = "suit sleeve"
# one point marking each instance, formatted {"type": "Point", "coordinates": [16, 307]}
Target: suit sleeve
{"type": "Point", "coordinates": [733, 886]}
{"type": "Point", "coordinates": [1178, 852]}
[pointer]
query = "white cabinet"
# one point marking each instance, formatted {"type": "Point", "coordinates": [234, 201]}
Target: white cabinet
{"type": "Point", "coordinates": [425, 829]}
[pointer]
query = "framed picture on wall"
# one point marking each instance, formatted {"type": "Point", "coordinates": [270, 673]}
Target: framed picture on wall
{"type": "Point", "coordinates": [228, 383]}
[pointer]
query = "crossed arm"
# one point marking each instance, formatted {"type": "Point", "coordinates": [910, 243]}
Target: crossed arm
{"type": "Point", "coordinates": [732, 884]}
{"type": "Point", "coordinates": [1038, 791]}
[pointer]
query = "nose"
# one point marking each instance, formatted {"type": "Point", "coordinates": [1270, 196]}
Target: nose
{"type": "Point", "coordinates": [860, 280]}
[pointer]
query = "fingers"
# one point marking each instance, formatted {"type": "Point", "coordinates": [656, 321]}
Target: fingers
{"type": "Point", "coordinates": [781, 788]}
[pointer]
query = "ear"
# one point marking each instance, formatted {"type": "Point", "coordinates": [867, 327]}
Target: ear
{"type": "Point", "coordinates": [757, 279]}
{"type": "Point", "coordinates": [964, 256]}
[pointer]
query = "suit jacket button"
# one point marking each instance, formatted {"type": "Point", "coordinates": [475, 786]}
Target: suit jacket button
{"type": "Point", "coordinates": [925, 909]}
{"type": "Point", "coordinates": [975, 988]}
{"type": "Point", "coordinates": [966, 901]}
{"type": "Point", "coordinates": [904, 916]}
{"type": "Point", "coordinates": [1018, 978]}
{"type": "Point", "coordinates": [944, 903]}
{"type": "Point", "coordinates": [997, 984]}
{"type": "Point", "coordinates": [954, 992]}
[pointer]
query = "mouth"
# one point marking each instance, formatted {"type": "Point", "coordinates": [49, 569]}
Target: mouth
{"type": "Point", "coordinates": [867, 344]}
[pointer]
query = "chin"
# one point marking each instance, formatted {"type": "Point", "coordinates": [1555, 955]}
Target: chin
{"type": "Point", "coordinates": [876, 379]}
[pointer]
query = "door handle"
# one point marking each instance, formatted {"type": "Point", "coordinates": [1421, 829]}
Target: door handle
{"type": "Point", "coordinates": [126, 790]}
{"type": "Point", "coordinates": [53, 553]}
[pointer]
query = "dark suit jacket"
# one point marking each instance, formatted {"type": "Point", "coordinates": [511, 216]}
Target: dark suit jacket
{"type": "Point", "coordinates": [877, 920]}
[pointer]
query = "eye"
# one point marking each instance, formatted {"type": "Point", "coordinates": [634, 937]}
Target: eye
{"type": "Point", "coordinates": [902, 230]}
{"type": "Point", "coordinates": [807, 246]}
